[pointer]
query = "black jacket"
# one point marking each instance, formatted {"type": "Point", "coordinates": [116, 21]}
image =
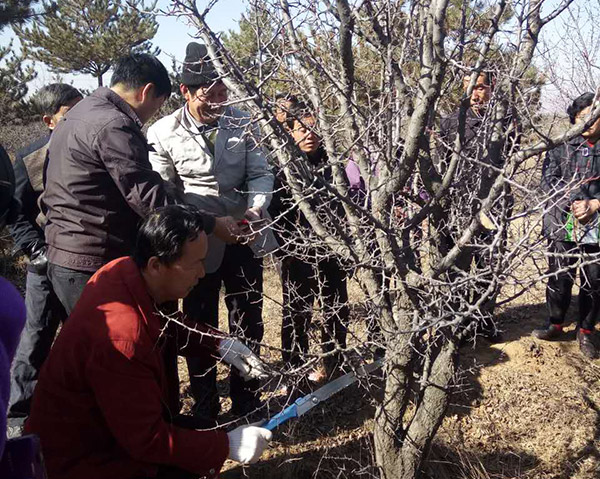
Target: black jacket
{"type": "Point", "coordinates": [8, 205]}
{"type": "Point", "coordinates": [477, 149]}
{"type": "Point", "coordinates": [28, 168]}
{"type": "Point", "coordinates": [99, 183]}
{"type": "Point", "coordinates": [570, 172]}
{"type": "Point", "coordinates": [290, 223]}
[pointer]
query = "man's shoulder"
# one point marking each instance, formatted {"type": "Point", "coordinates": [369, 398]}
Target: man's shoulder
{"type": "Point", "coordinates": [97, 112]}
{"type": "Point", "coordinates": [116, 298]}
{"type": "Point", "coordinates": [114, 285]}
{"type": "Point", "coordinates": [32, 147]}
{"type": "Point", "coordinates": [168, 123]}
{"type": "Point", "coordinates": [170, 120]}
{"type": "Point", "coordinates": [566, 149]}
{"type": "Point", "coordinates": [449, 122]}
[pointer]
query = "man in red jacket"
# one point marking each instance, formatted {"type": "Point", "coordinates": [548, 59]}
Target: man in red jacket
{"type": "Point", "coordinates": [107, 401]}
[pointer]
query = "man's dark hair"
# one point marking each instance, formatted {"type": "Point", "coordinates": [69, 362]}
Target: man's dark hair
{"type": "Point", "coordinates": [579, 104]}
{"type": "Point", "coordinates": [164, 233]}
{"type": "Point", "coordinates": [49, 99]}
{"type": "Point", "coordinates": [139, 69]}
{"type": "Point", "coordinates": [297, 111]}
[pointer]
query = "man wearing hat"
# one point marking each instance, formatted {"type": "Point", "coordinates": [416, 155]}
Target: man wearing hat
{"type": "Point", "coordinates": [208, 152]}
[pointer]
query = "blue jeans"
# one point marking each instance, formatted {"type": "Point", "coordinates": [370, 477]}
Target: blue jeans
{"type": "Point", "coordinates": [68, 284]}
{"type": "Point", "coordinates": [44, 313]}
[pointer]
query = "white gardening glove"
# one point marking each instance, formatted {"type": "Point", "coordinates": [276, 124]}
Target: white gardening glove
{"type": "Point", "coordinates": [247, 443]}
{"type": "Point", "coordinates": [238, 355]}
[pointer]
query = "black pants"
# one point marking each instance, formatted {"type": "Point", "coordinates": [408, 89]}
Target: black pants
{"type": "Point", "coordinates": [68, 284]}
{"type": "Point", "coordinates": [558, 290]}
{"type": "Point", "coordinates": [242, 275]}
{"type": "Point", "coordinates": [302, 283]}
{"type": "Point", "coordinates": [476, 260]}
{"type": "Point", "coordinates": [44, 313]}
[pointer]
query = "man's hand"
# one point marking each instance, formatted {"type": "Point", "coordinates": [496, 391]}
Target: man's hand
{"type": "Point", "coordinates": [253, 214]}
{"type": "Point", "coordinates": [238, 355]}
{"type": "Point", "coordinates": [252, 224]}
{"type": "Point", "coordinates": [585, 209]}
{"type": "Point", "coordinates": [227, 229]}
{"type": "Point", "coordinates": [247, 443]}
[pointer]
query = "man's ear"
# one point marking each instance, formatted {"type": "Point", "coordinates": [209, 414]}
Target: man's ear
{"type": "Point", "coordinates": [47, 119]}
{"type": "Point", "coordinates": [185, 91]}
{"type": "Point", "coordinates": [147, 91]}
{"type": "Point", "coordinates": [154, 266]}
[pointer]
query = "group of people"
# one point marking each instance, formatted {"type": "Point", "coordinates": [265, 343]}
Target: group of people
{"type": "Point", "coordinates": [118, 227]}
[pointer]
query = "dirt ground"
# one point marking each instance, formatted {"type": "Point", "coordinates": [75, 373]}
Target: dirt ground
{"type": "Point", "coordinates": [522, 409]}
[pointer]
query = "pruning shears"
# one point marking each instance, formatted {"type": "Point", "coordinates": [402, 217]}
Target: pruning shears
{"type": "Point", "coordinates": [304, 404]}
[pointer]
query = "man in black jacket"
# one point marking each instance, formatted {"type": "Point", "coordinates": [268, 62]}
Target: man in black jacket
{"type": "Point", "coordinates": [480, 159]}
{"type": "Point", "coordinates": [44, 310]}
{"type": "Point", "coordinates": [571, 181]}
{"type": "Point", "coordinates": [309, 273]}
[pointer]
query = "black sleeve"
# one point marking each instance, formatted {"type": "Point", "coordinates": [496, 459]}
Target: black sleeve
{"type": "Point", "coordinates": [8, 205]}
{"type": "Point", "coordinates": [282, 210]}
{"type": "Point", "coordinates": [447, 134]}
{"type": "Point", "coordinates": [552, 174]}
{"type": "Point", "coordinates": [25, 233]}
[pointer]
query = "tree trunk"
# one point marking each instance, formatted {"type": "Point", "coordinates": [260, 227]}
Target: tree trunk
{"type": "Point", "coordinates": [400, 450]}
{"type": "Point", "coordinates": [100, 82]}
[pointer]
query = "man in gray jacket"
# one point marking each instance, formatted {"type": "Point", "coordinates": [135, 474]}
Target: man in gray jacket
{"type": "Point", "coordinates": [208, 152]}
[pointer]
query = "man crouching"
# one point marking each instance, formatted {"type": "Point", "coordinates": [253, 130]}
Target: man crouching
{"type": "Point", "coordinates": [107, 401]}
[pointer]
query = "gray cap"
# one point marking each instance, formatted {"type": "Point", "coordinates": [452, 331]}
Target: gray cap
{"type": "Point", "coordinates": [198, 68]}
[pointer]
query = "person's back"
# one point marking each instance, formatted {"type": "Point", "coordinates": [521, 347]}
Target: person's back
{"type": "Point", "coordinates": [72, 444]}
{"type": "Point", "coordinates": [90, 220]}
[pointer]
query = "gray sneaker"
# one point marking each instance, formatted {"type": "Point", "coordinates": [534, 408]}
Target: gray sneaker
{"type": "Point", "coordinates": [14, 431]}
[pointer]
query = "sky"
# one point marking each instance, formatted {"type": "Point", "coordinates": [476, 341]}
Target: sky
{"type": "Point", "coordinates": [172, 37]}
{"type": "Point", "coordinates": [174, 34]}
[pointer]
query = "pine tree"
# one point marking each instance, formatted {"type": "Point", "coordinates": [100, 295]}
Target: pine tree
{"type": "Point", "coordinates": [88, 36]}
{"type": "Point", "coordinates": [15, 11]}
{"type": "Point", "coordinates": [249, 46]}
{"type": "Point", "coordinates": [14, 77]}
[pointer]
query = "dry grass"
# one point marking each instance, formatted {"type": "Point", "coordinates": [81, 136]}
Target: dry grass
{"type": "Point", "coordinates": [523, 409]}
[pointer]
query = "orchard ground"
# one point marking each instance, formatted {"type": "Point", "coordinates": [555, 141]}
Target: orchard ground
{"type": "Point", "coordinates": [522, 408]}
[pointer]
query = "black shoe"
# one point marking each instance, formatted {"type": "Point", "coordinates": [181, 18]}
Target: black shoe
{"type": "Point", "coordinates": [550, 333]}
{"type": "Point", "coordinates": [586, 345]}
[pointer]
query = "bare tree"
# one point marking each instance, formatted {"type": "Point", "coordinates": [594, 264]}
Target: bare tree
{"type": "Point", "coordinates": [444, 221]}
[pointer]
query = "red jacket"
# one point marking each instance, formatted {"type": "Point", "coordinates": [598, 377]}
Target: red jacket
{"type": "Point", "coordinates": [108, 383]}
